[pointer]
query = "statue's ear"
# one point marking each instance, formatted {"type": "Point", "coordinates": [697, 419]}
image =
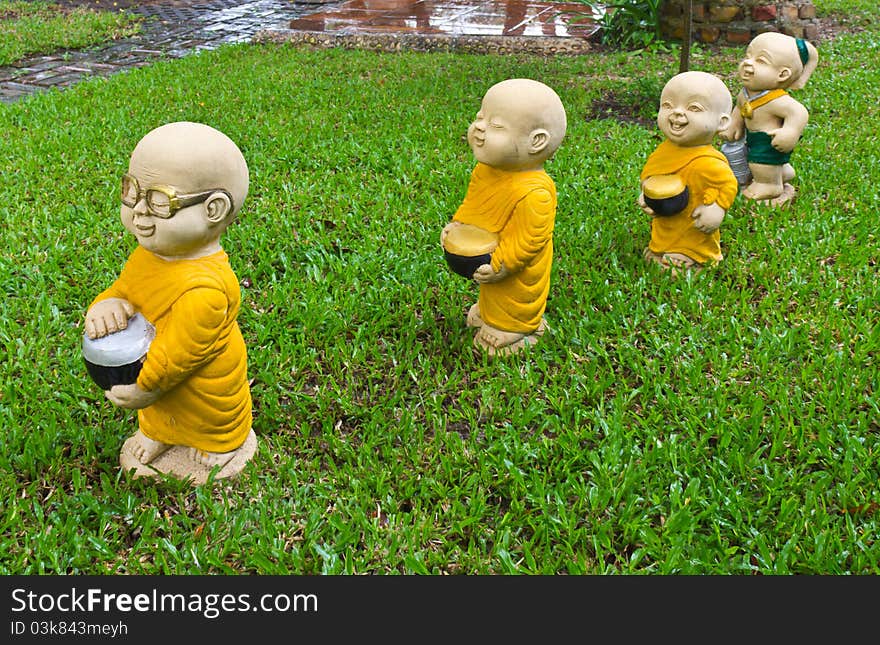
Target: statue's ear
{"type": "Point", "coordinates": [723, 122]}
{"type": "Point", "coordinates": [538, 140]}
{"type": "Point", "coordinates": [218, 206]}
{"type": "Point", "coordinates": [784, 74]}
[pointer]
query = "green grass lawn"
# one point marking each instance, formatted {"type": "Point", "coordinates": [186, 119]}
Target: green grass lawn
{"type": "Point", "coordinates": [41, 27]}
{"type": "Point", "coordinates": [723, 424]}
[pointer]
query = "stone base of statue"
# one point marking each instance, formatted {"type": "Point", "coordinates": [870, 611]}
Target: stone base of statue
{"type": "Point", "coordinates": [177, 462]}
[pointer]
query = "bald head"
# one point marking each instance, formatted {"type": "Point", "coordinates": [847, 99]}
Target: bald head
{"type": "Point", "coordinates": [534, 105]}
{"type": "Point", "coordinates": [191, 157]}
{"type": "Point", "coordinates": [694, 107]}
{"type": "Point", "coordinates": [707, 86]}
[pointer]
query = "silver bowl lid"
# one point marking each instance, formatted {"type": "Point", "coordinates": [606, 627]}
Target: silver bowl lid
{"type": "Point", "coordinates": [122, 347]}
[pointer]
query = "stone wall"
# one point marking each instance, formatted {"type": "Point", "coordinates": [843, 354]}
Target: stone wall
{"type": "Point", "coordinates": [736, 23]}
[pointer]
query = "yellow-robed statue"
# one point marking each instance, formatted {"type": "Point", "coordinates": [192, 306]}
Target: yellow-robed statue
{"type": "Point", "coordinates": [505, 224]}
{"type": "Point", "coordinates": [185, 184]}
{"type": "Point", "coordinates": [687, 186]}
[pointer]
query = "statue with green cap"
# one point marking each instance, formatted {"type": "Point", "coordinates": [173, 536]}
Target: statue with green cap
{"type": "Point", "coordinates": [769, 118]}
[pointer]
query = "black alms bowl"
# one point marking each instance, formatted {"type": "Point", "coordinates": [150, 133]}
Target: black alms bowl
{"type": "Point", "coordinates": [665, 194]}
{"type": "Point", "coordinates": [116, 359]}
{"type": "Point", "coordinates": [107, 377]}
{"type": "Point", "coordinates": [668, 205]}
{"type": "Point", "coordinates": [465, 265]}
{"type": "Point", "coordinates": [467, 247]}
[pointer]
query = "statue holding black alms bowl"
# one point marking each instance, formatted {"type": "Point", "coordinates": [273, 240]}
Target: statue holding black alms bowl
{"type": "Point", "coordinates": [163, 338]}
{"type": "Point", "coordinates": [687, 185]}
{"type": "Point", "coordinates": [501, 236]}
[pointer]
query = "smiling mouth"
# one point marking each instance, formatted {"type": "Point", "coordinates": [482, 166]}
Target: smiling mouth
{"type": "Point", "coordinates": [145, 231]}
{"type": "Point", "coordinates": [677, 127]}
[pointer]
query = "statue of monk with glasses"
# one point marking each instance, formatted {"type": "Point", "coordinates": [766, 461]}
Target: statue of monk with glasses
{"type": "Point", "coordinates": [185, 185]}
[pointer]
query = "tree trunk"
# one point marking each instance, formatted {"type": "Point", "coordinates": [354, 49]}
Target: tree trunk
{"type": "Point", "coordinates": [685, 59]}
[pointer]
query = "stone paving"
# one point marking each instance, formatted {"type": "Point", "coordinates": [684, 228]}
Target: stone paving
{"type": "Point", "coordinates": [175, 28]}
{"type": "Point", "coordinates": [545, 27]}
{"type": "Point", "coordinates": [171, 30]}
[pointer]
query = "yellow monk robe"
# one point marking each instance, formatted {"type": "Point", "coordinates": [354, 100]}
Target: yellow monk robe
{"type": "Point", "coordinates": [709, 179]}
{"type": "Point", "coordinates": [198, 357]}
{"type": "Point", "coordinates": [521, 208]}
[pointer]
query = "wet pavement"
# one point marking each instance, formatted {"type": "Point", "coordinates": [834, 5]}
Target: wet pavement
{"type": "Point", "coordinates": [170, 29]}
{"type": "Point", "coordinates": [476, 26]}
{"type": "Point", "coordinates": [176, 28]}
{"type": "Point", "coordinates": [449, 17]}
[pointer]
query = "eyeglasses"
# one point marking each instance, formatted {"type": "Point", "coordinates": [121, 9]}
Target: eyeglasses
{"type": "Point", "coordinates": [162, 201]}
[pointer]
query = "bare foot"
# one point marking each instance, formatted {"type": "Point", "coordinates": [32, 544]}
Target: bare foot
{"type": "Point", "coordinates": [473, 316]}
{"type": "Point", "coordinates": [145, 449]}
{"type": "Point", "coordinates": [500, 342]}
{"type": "Point", "coordinates": [675, 263]}
{"type": "Point", "coordinates": [784, 198]}
{"type": "Point", "coordinates": [211, 459]}
{"type": "Point", "coordinates": [760, 191]}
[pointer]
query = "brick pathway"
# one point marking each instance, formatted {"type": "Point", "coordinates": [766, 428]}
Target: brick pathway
{"type": "Point", "coordinates": [171, 29]}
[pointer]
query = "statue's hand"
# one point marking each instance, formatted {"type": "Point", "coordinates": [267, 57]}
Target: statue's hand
{"type": "Point", "coordinates": [647, 209]}
{"type": "Point", "coordinates": [486, 274]}
{"type": "Point", "coordinates": [708, 217]}
{"type": "Point", "coordinates": [132, 397]}
{"type": "Point", "coordinates": [783, 140]}
{"type": "Point", "coordinates": [107, 317]}
{"type": "Point", "coordinates": [445, 231]}
{"type": "Point", "coordinates": [734, 132]}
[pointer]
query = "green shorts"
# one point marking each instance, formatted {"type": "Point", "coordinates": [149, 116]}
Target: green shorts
{"type": "Point", "coordinates": [760, 150]}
